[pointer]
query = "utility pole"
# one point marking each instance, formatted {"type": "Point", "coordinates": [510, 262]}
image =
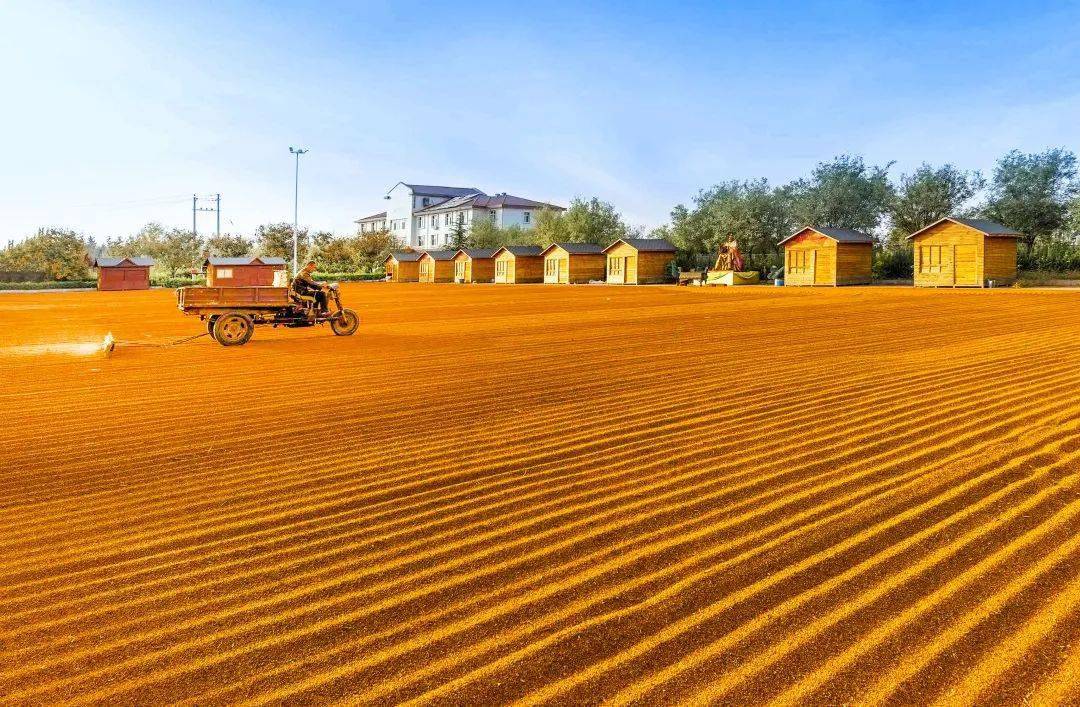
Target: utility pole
{"type": "Point", "coordinates": [195, 209]}
{"type": "Point", "coordinates": [296, 208]}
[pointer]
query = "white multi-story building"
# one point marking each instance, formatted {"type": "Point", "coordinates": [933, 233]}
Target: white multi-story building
{"type": "Point", "coordinates": [423, 216]}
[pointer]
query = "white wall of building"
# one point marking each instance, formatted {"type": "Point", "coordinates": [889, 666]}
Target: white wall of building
{"type": "Point", "coordinates": [399, 214]}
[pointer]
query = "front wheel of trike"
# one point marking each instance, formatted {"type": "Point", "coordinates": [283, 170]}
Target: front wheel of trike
{"type": "Point", "coordinates": [345, 322]}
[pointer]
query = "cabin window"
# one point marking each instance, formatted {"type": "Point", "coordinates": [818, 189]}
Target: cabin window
{"type": "Point", "coordinates": [551, 266]}
{"type": "Point", "coordinates": [500, 268]}
{"type": "Point", "coordinates": [614, 265]}
{"type": "Point", "coordinates": [930, 257]}
{"type": "Point", "coordinates": [797, 261]}
{"type": "Point", "coordinates": [224, 273]}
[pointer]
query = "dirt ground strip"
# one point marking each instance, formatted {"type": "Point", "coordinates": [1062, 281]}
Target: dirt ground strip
{"type": "Point", "coordinates": [534, 493]}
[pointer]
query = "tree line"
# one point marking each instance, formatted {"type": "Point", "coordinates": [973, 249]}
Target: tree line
{"type": "Point", "coordinates": [63, 254]}
{"type": "Point", "coordinates": [1038, 194]}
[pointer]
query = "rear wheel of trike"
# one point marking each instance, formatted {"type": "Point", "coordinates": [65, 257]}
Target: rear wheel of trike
{"type": "Point", "coordinates": [233, 329]}
{"type": "Point", "coordinates": [345, 323]}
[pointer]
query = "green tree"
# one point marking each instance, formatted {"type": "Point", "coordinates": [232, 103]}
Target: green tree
{"type": "Point", "coordinates": [1032, 192]}
{"type": "Point", "coordinates": [174, 250]}
{"type": "Point", "coordinates": [755, 214]}
{"type": "Point", "coordinates": [459, 236]}
{"type": "Point", "coordinates": [591, 221]}
{"type": "Point", "coordinates": [228, 245]}
{"type": "Point", "coordinates": [485, 234]}
{"type": "Point", "coordinates": [550, 227]}
{"type": "Point", "coordinates": [60, 253]}
{"type": "Point", "coordinates": [843, 193]}
{"type": "Point", "coordinates": [929, 194]}
{"type": "Point", "coordinates": [276, 239]}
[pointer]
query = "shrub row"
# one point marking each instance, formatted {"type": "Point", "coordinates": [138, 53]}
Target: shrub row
{"type": "Point", "coordinates": [49, 285]}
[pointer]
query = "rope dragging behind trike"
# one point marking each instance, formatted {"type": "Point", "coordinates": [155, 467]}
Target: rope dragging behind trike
{"type": "Point", "coordinates": [110, 344]}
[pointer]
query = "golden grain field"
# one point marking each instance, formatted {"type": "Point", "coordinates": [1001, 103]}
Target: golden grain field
{"type": "Point", "coordinates": [535, 493]}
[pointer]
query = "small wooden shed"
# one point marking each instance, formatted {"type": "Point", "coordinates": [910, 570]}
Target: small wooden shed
{"type": "Point", "coordinates": [248, 271]}
{"type": "Point", "coordinates": [403, 266]}
{"type": "Point", "coordinates": [124, 273]}
{"type": "Point", "coordinates": [437, 266]}
{"type": "Point", "coordinates": [820, 255]}
{"type": "Point", "coordinates": [569, 263]}
{"type": "Point", "coordinates": [519, 264]}
{"type": "Point", "coordinates": [964, 252]}
{"type": "Point", "coordinates": [474, 265]}
{"type": "Point", "coordinates": [639, 261]}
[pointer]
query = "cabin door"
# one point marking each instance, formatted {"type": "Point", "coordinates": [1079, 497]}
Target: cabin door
{"type": "Point", "coordinates": [965, 270]}
{"type": "Point", "coordinates": [459, 271]}
{"type": "Point", "coordinates": [564, 270]}
{"type": "Point", "coordinates": [631, 269]}
{"type": "Point", "coordinates": [818, 274]}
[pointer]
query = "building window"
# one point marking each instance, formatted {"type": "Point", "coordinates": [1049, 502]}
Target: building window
{"type": "Point", "coordinates": [224, 273]}
{"type": "Point", "coordinates": [493, 216]}
{"type": "Point", "coordinates": [614, 266]}
{"type": "Point", "coordinates": [446, 219]}
{"type": "Point", "coordinates": [930, 258]}
{"type": "Point", "coordinates": [425, 201]}
{"type": "Point", "coordinates": [500, 268]}
{"type": "Point", "coordinates": [551, 266]}
{"type": "Point", "coordinates": [468, 217]}
{"type": "Point", "coordinates": [797, 261]}
{"type": "Point", "coordinates": [420, 240]}
{"type": "Point", "coordinates": [526, 217]}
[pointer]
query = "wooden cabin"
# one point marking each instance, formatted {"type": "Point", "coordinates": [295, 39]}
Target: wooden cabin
{"type": "Point", "coordinates": [437, 266]}
{"type": "Point", "coordinates": [827, 256]}
{"type": "Point", "coordinates": [639, 261]}
{"type": "Point", "coordinates": [570, 263]}
{"type": "Point", "coordinates": [124, 273]}
{"type": "Point", "coordinates": [242, 272]}
{"type": "Point", "coordinates": [402, 266]}
{"type": "Point", "coordinates": [964, 252]}
{"type": "Point", "coordinates": [519, 264]}
{"type": "Point", "coordinates": [474, 265]}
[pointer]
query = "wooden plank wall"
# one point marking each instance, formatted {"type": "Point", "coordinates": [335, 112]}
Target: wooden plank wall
{"type": "Point", "coordinates": [585, 267]}
{"type": "Point", "coordinates": [854, 263]}
{"type": "Point", "coordinates": [961, 256]}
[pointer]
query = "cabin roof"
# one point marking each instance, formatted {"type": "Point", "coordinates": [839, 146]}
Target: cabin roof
{"type": "Point", "coordinates": [657, 245]}
{"type": "Point", "coordinates": [576, 248]}
{"type": "Point", "coordinates": [440, 254]}
{"type": "Point", "coordinates": [982, 225]}
{"type": "Point", "coordinates": [517, 250]}
{"type": "Point", "coordinates": [137, 260]}
{"type": "Point", "coordinates": [478, 253]}
{"type": "Point", "coordinates": [840, 235]}
{"type": "Point", "coordinates": [404, 256]}
{"type": "Point", "coordinates": [246, 260]}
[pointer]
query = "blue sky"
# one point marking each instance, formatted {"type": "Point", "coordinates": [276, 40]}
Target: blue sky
{"type": "Point", "coordinates": [116, 112]}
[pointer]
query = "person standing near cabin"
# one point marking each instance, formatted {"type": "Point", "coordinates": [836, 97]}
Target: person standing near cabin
{"type": "Point", "coordinates": [305, 284]}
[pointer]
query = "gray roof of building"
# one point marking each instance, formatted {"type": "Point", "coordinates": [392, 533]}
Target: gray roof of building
{"type": "Point", "coordinates": [139, 260]}
{"type": "Point", "coordinates": [432, 190]}
{"type": "Point", "coordinates": [441, 254]}
{"type": "Point", "coordinates": [660, 245]}
{"type": "Point", "coordinates": [985, 226]}
{"type": "Point", "coordinates": [405, 256]}
{"type": "Point", "coordinates": [577, 248]}
{"type": "Point", "coordinates": [478, 253]}
{"type": "Point", "coordinates": [522, 249]}
{"type": "Point", "coordinates": [247, 260]}
{"type": "Point", "coordinates": [483, 201]}
{"type": "Point", "coordinates": [840, 235]}
{"type": "Point", "coordinates": [373, 217]}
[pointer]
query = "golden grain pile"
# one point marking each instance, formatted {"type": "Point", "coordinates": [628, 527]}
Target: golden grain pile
{"type": "Point", "coordinates": [541, 493]}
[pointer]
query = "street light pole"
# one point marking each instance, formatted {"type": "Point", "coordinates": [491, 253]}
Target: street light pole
{"type": "Point", "coordinates": [296, 208]}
